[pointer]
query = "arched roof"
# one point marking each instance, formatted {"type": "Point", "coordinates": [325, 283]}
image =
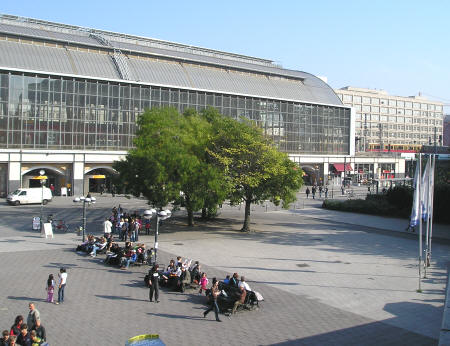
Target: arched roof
{"type": "Point", "coordinates": [53, 48]}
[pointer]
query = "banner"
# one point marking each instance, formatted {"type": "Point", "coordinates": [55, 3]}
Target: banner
{"type": "Point", "coordinates": [416, 199]}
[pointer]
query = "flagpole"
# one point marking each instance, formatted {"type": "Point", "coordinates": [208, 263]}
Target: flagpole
{"type": "Point", "coordinates": [425, 203]}
{"type": "Point", "coordinates": [419, 183]}
{"type": "Point", "coordinates": [432, 204]}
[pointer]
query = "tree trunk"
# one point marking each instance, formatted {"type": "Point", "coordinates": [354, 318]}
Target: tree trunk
{"type": "Point", "coordinates": [246, 227]}
{"type": "Point", "coordinates": [190, 212]}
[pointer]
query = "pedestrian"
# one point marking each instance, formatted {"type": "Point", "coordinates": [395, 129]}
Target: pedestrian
{"type": "Point", "coordinates": [50, 288]}
{"type": "Point", "coordinates": [203, 283]}
{"type": "Point", "coordinates": [214, 294]}
{"type": "Point", "coordinates": [343, 190]}
{"type": "Point", "coordinates": [313, 192]}
{"type": "Point", "coordinates": [107, 227]}
{"type": "Point", "coordinates": [4, 341]}
{"type": "Point", "coordinates": [326, 192]}
{"type": "Point", "coordinates": [307, 192]}
{"type": "Point", "coordinates": [62, 285]}
{"type": "Point", "coordinates": [320, 191]}
{"type": "Point", "coordinates": [15, 329]}
{"type": "Point", "coordinates": [33, 316]}
{"type": "Point", "coordinates": [40, 330]}
{"type": "Point", "coordinates": [52, 188]}
{"type": "Point", "coordinates": [154, 283]}
{"type": "Point", "coordinates": [24, 338]}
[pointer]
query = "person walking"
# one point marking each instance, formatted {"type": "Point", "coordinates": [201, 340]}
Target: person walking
{"type": "Point", "coordinates": [214, 294]}
{"type": "Point", "coordinates": [313, 192]}
{"type": "Point", "coordinates": [50, 288]}
{"type": "Point", "coordinates": [62, 285]}
{"type": "Point", "coordinates": [307, 192]}
{"type": "Point", "coordinates": [154, 283]}
{"type": "Point", "coordinates": [326, 192]}
{"type": "Point", "coordinates": [320, 191]}
{"type": "Point", "coordinates": [107, 228]}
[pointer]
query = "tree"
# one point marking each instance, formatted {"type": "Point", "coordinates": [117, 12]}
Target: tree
{"type": "Point", "coordinates": [169, 162]}
{"type": "Point", "coordinates": [254, 167]}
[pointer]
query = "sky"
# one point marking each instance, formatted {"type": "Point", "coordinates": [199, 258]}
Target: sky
{"type": "Point", "coordinates": [399, 46]}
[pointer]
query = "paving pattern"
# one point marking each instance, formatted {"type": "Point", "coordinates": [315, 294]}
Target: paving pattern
{"type": "Point", "coordinates": [323, 284]}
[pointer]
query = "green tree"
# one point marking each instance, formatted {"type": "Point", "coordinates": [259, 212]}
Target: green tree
{"type": "Point", "coordinates": [254, 167]}
{"type": "Point", "coordinates": [169, 162]}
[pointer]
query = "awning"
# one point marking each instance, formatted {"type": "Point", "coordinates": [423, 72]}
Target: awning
{"type": "Point", "coordinates": [339, 167]}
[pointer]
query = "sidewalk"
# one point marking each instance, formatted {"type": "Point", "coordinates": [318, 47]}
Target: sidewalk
{"type": "Point", "coordinates": [440, 231]}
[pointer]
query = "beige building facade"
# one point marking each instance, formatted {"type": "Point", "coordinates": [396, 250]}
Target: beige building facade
{"type": "Point", "coordinates": [393, 123]}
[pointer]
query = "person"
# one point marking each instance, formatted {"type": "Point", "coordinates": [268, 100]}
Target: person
{"type": "Point", "coordinates": [326, 191]}
{"type": "Point", "coordinates": [343, 190]}
{"type": "Point", "coordinates": [40, 331]}
{"type": "Point", "coordinates": [147, 226]}
{"type": "Point", "coordinates": [195, 272]}
{"type": "Point", "coordinates": [62, 285]}
{"type": "Point", "coordinates": [100, 245]}
{"type": "Point", "coordinates": [15, 329]}
{"type": "Point", "coordinates": [130, 259]}
{"type": "Point", "coordinates": [154, 283]}
{"type": "Point", "coordinates": [107, 227]}
{"type": "Point", "coordinates": [12, 340]}
{"type": "Point", "coordinates": [33, 316]}
{"type": "Point", "coordinates": [226, 281]}
{"type": "Point", "coordinates": [320, 191]}
{"type": "Point", "coordinates": [52, 188]}
{"type": "Point", "coordinates": [214, 293]}
{"type": "Point", "coordinates": [203, 283]}
{"type": "Point", "coordinates": [4, 341]}
{"type": "Point", "coordinates": [234, 281]}
{"type": "Point", "coordinates": [241, 300]}
{"type": "Point", "coordinates": [50, 288]}
{"type": "Point", "coordinates": [307, 192]}
{"type": "Point", "coordinates": [244, 284]}
{"type": "Point", "coordinates": [24, 338]}
{"type": "Point", "coordinates": [36, 341]}
{"type": "Point", "coordinates": [313, 192]}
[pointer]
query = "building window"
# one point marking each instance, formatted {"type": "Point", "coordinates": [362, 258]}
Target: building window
{"type": "Point", "coordinates": [347, 98]}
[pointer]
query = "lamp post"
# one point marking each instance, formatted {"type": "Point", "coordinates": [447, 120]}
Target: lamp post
{"type": "Point", "coordinates": [88, 201]}
{"type": "Point", "coordinates": [160, 216]}
{"type": "Point", "coordinates": [41, 174]}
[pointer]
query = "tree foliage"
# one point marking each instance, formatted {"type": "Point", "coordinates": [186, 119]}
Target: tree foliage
{"type": "Point", "coordinates": [199, 160]}
{"type": "Point", "coordinates": [256, 170]}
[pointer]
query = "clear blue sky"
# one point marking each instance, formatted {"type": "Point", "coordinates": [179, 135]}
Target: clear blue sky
{"type": "Point", "coordinates": [400, 46]}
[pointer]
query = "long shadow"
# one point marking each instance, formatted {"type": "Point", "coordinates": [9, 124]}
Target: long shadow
{"type": "Point", "coordinates": [184, 317]}
{"type": "Point", "coordinates": [119, 298]}
{"type": "Point", "coordinates": [31, 299]}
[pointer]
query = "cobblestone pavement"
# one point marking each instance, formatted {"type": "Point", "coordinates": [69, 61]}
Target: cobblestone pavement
{"type": "Point", "coordinates": [323, 284]}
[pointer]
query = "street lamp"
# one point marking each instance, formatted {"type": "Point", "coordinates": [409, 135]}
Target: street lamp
{"type": "Point", "coordinates": [160, 216]}
{"type": "Point", "coordinates": [88, 201]}
{"type": "Point", "coordinates": [41, 175]}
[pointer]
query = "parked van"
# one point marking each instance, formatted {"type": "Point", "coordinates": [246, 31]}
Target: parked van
{"type": "Point", "coordinates": [31, 195]}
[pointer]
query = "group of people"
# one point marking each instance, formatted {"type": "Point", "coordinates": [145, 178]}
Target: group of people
{"type": "Point", "coordinates": [314, 189]}
{"type": "Point", "coordinates": [126, 225]}
{"type": "Point", "coordinates": [31, 333]}
{"type": "Point", "coordinates": [181, 273]}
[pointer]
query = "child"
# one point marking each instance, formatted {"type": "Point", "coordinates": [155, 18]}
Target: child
{"type": "Point", "coordinates": [203, 283]}
{"type": "Point", "coordinates": [50, 288]}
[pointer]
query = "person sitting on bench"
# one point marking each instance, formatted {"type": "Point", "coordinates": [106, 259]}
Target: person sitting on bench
{"type": "Point", "coordinates": [241, 300]}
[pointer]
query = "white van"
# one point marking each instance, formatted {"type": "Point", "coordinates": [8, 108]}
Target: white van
{"type": "Point", "coordinates": [31, 195]}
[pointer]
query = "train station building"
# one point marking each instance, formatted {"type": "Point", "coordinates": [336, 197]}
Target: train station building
{"type": "Point", "coordinates": [70, 97]}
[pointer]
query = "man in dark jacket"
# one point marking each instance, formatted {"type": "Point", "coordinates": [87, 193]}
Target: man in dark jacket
{"type": "Point", "coordinates": [24, 337]}
{"type": "Point", "coordinates": [234, 281]}
{"type": "Point", "coordinates": [154, 283]}
{"type": "Point", "coordinates": [40, 331]}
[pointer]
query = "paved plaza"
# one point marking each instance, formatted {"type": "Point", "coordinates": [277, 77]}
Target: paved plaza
{"type": "Point", "coordinates": [328, 278]}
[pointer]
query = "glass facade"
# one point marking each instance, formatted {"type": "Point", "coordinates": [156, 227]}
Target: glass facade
{"type": "Point", "coordinates": [47, 112]}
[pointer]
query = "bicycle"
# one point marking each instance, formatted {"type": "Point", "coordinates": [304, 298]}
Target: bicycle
{"type": "Point", "coordinates": [60, 225]}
